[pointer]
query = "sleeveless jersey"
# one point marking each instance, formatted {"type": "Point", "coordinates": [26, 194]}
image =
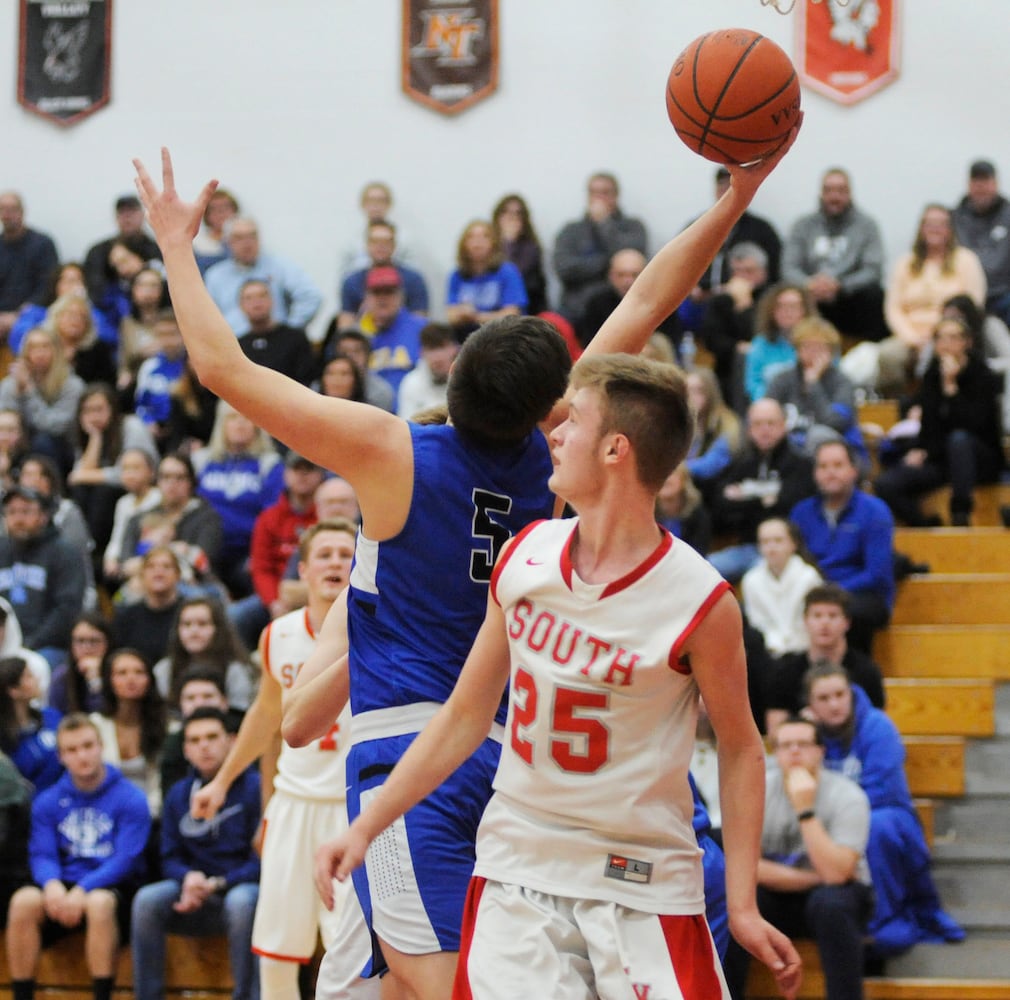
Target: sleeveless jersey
{"type": "Point", "coordinates": [591, 796]}
{"type": "Point", "coordinates": [315, 771]}
{"type": "Point", "coordinates": [417, 600]}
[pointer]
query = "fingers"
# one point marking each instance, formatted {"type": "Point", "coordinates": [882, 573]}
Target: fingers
{"type": "Point", "coordinates": [205, 195]}
{"type": "Point", "coordinates": [326, 858]}
{"type": "Point", "coordinates": [167, 173]}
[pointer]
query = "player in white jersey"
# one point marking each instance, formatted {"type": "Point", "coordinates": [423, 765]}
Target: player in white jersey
{"type": "Point", "coordinates": [303, 788]}
{"type": "Point", "coordinates": [588, 879]}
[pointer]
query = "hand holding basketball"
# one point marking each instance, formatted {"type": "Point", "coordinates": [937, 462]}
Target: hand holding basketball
{"type": "Point", "coordinates": [733, 96]}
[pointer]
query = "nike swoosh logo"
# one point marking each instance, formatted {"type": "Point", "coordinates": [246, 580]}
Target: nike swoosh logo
{"type": "Point", "coordinates": [190, 827]}
{"type": "Point", "coordinates": [533, 562]}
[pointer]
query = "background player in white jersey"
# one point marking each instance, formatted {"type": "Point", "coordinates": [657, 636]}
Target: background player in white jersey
{"type": "Point", "coordinates": [304, 788]}
{"type": "Point", "coordinates": [588, 878]}
{"type": "Point", "coordinates": [506, 379]}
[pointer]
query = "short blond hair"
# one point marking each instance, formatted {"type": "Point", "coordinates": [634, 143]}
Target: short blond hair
{"type": "Point", "coordinates": [813, 329]}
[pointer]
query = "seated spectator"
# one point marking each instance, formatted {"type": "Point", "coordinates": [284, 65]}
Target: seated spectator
{"type": "Point", "coordinates": [274, 345]}
{"type": "Point", "coordinates": [427, 384]}
{"type": "Point", "coordinates": [376, 202]}
{"type": "Point", "coordinates": [850, 535]}
{"type": "Point", "coordinates": [863, 744]}
{"type": "Point", "coordinates": [295, 296]}
{"type": "Point", "coordinates": [136, 470]}
{"type": "Point", "coordinates": [12, 644]}
{"type": "Point", "coordinates": [146, 625]}
{"type": "Point", "coordinates": [836, 255]}
{"type": "Point", "coordinates": [960, 437]}
{"type": "Point", "coordinates": [774, 588]}
{"type": "Point", "coordinates": [127, 258]}
{"type": "Point", "coordinates": [92, 359]}
{"type": "Point", "coordinates": [152, 399]}
{"type": "Point", "coordinates": [137, 340]}
{"type": "Point", "coordinates": [717, 433]}
{"type": "Point", "coordinates": [209, 245]}
{"type": "Point", "coordinates": [27, 733]}
{"type": "Point", "coordinates": [39, 473]}
{"type": "Point", "coordinates": [195, 526]}
{"type": "Point", "coordinates": [77, 681]}
{"type": "Point", "coordinates": [820, 401]}
{"type": "Point", "coordinates": [41, 386]}
{"type": "Point", "coordinates": [989, 332]}
{"type": "Point", "coordinates": [87, 856]}
{"type": "Point", "coordinates": [982, 223]}
{"type": "Point", "coordinates": [380, 245]}
{"type": "Point", "coordinates": [41, 575]}
{"type": "Point", "coordinates": [826, 622]}
{"type": "Point", "coordinates": [15, 826]}
{"type": "Point", "coordinates": [771, 349]}
{"type": "Point", "coordinates": [765, 480]}
{"type": "Point", "coordinates": [13, 446]}
{"type": "Point", "coordinates": [342, 379]}
{"type": "Point", "coordinates": [65, 281]}
{"type": "Point", "coordinates": [395, 331]}
{"type": "Point", "coordinates": [239, 474]}
{"type": "Point", "coordinates": [200, 687]}
{"type": "Point", "coordinates": [211, 870]}
{"type": "Point", "coordinates": [27, 258]}
{"type": "Point", "coordinates": [274, 544]}
{"type": "Point", "coordinates": [521, 246]}
{"type": "Point", "coordinates": [813, 880]}
{"type": "Point", "coordinates": [484, 285]}
{"type": "Point", "coordinates": [922, 280]}
{"type": "Point", "coordinates": [681, 510]}
{"type": "Point", "coordinates": [203, 636]}
{"type": "Point", "coordinates": [132, 722]}
{"type": "Point", "coordinates": [583, 248]}
{"type": "Point", "coordinates": [731, 314]}
{"type": "Point", "coordinates": [192, 409]}
{"type": "Point", "coordinates": [104, 435]}
{"type": "Point", "coordinates": [358, 347]}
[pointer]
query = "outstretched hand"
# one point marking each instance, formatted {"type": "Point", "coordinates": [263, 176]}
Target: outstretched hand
{"type": "Point", "coordinates": [173, 220]}
{"type": "Point", "coordinates": [746, 179]}
{"type": "Point", "coordinates": [769, 945]}
{"type": "Point", "coordinates": [336, 859]}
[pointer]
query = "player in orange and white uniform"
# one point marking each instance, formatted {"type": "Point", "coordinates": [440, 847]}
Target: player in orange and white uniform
{"type": "Point", "coordinates": [304, 788]}
{"type": "Point", "coordinates": [588, 880]}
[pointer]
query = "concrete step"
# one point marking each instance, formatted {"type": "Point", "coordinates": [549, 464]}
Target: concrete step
{"type": "Point", "coordinates": [974, 891]}
{"type": "Point", "coordinates": [987, 767]}
{"type": "Point", "coordinates": [982, 955]}
{"type": "Point", "coordinates": [1003, 710]}
{"type": "Point", "coordinates": [978, 820]}
{"type": "Point", "coordinates": [956, 550]}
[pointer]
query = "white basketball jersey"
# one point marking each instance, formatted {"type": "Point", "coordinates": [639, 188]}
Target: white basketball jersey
{"type": "Point", "coordinates": [591, 795]}
{"type": "Point", "coordinates": [315, 771]}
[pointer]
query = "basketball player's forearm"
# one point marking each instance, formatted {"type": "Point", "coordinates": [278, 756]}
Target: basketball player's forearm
{"type": "Point", "coordinates": [741, 794]}
{"type": "Point", "coordinates": [310, 708]}
{"type": "Point", "coordinates": [255, 736]}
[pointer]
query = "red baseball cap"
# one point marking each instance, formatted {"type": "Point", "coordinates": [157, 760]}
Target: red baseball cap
{"type": "Point", "coordinates": [383, 277]}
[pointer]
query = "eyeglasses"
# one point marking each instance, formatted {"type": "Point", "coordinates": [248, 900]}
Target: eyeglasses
{"type": "Point", "coordinates": [795, 744]}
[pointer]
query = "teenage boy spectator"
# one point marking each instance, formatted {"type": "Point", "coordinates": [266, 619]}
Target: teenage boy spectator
{"type": "Point", "coordinates": [211, 869]}
{"type": "Point", "coordinates": [202, 687]}
{"type": "Point", "coordinates": [152, 399]}
{"type": "Point", "coordinates": [278, 346]}
{"type": "Point", "coordinates": [87, 855]}
{"type": "Point", "coordinates": [427, 384]}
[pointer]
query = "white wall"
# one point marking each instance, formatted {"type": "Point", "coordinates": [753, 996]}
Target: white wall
{"type": "Point", "coordinates": [295, 104]}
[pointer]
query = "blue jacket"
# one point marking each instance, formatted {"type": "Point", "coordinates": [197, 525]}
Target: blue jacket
{"type": "Point", "coordinates": [221, 846]}
{"type": "Point", "coordinates": [875, 758]}
{"type": "Point", "coordinates": [35, 755]}
{"type": "Point", "coordinates": [152, 400]}
{"type": "Point", "coordinates": [415, 291]}
{"type": "Point", "coordinates": [857, 552]}
{"type": "Point", "coordinates": [92, 839]}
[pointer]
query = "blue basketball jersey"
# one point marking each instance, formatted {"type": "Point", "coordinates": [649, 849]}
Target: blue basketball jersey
{"type": "Point", "coordinates": [417, 600]}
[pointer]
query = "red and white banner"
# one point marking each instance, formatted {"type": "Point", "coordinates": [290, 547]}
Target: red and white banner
{"type": "Point", "coordinates": [848, 51]}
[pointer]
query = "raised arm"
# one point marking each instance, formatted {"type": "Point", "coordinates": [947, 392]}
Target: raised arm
{"type": "Point", "coordinates": [671, 275]}
{"type": "Point", "coordinates": [458, 728]}
{"type": "Point", "coordinates": [367, 446]}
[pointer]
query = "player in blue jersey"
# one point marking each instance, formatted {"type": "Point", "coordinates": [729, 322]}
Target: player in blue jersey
{"type": "Point", "coordinates": [437, 504]}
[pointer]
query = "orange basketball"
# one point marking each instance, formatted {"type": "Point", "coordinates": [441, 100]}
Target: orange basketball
{"type": "Point", "coordinates": [733, 96]}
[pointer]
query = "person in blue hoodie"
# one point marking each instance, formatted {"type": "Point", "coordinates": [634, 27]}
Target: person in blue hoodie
{"type": "Point", "coordinates": [213, 871]}
{"type": "Point", "coordinates": [861, 742]}
{"type": "Point", "coordinates": [86, 850]}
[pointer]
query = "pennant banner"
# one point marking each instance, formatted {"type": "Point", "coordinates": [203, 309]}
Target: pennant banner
{"type": "Point", "coordinates": [450, 52]}
{"type": "Point", "coordinates": [63, 58]}
{"type": "Point", "coordinates": [848, 51]}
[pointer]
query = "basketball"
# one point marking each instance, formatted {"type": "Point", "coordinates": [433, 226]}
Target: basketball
{"type": "Point", "coordinates": [733, 96]}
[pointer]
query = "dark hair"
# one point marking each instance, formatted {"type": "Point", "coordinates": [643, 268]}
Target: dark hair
{"type": "Point", "coordinates": [968, 310]}
{"type": "Point", "coordinates": [795, 535]}
{"type": "Point", "coordinates": [49, 296]}
{"type": "Point", "coordinates": [225, 646]}
{"type": "Point", "coordinates": [799, 720]}
{"type": "Point", "coordinates": [358, 387]}
{"type": "Point", "coordinates": [184, 460]}
{"type": "Point", "coordinates": [828, 593]}
{"type": "Point", "coordinates": [384, 223]}
{"type": "Point", "coordinates": [12, 669]}
{"type": "Point", "coordinates": [818, 672]}
{"type": "Point", "coordinates": [205, 712]}
{"type": "Point", "coordinates": [201, 674]}
{"type": "Point", "coordinates": [437, 335]}
{"type": "Point", "coordinates": [508, 375]}
{"type": "Point", "coordinates": [112, 437]}
{"type": "Point", "coordinates": [77, 686]}
{"type": "Point", "coordinates": [152, 707]}
{"type": "Point", "coordinates": [50, 473]}
{"type": "Point", "coordinates": [165, 302]}
{"type": "Point", "coordinates": [527, 232]}
{"type": "Point", "coordinates": [838, 443]}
